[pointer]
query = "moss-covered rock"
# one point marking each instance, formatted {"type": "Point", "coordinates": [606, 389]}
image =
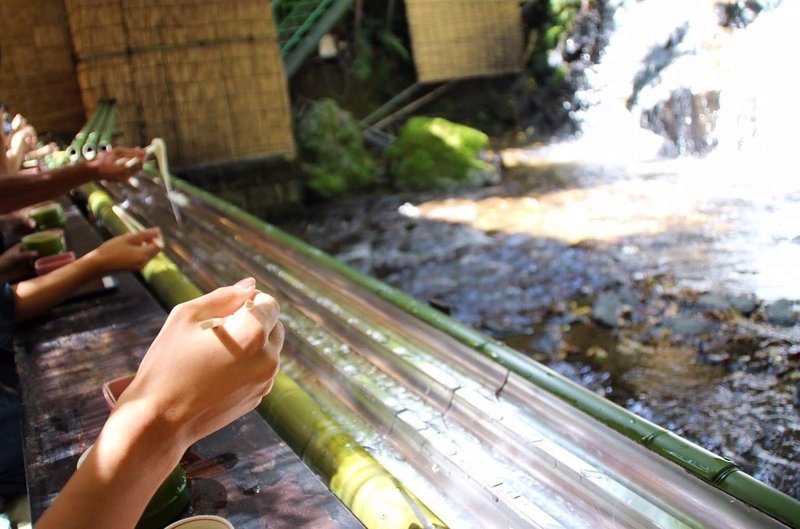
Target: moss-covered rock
{"type": "Point", "coordinates": [434, 153]}
{"type": "Point", "coordinates": [332, 154]}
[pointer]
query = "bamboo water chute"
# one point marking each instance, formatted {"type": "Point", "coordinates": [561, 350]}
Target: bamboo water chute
{"type": "Point", "coordinates": [376, 497]}
{"type": "Point", "coordinates": [230, 239]}
{"type": "Point", "coordinates": [484, 436]}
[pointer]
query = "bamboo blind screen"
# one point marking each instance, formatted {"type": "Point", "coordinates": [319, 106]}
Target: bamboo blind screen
{"type": "Point", "coordinates": [456, 39]}
{"type": "Point", "coordinates": [37, 73]}
{"type": "Point", "coordinates": [206, 75]}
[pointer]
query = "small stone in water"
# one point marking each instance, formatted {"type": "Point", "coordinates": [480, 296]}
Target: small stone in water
{"type": "Point", "coordinates": [598, 353]}
{"type": "Point", "coordinates": [714, 302]}
{"type": "Point", "coordinates": [781, 313]}
{"type": "Point", "coordinates": [688, 326]}
{"type": "Point", "coordinates": [744, 304]}
{"type": "Point", "coordinates": [607, 309]}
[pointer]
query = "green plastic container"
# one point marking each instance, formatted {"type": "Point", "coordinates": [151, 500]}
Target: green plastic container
{"type": "Point", "coordinates": [48, 216]}
{"type": "Point", "coordinates": [47, 242]}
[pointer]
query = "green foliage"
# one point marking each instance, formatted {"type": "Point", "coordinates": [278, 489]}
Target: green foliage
{"type": "Point", "coordinates": [393, 43]}
{"type": "Point", "coordinates": [362, 62]}
{"type": "Point", "coordinates": [550, 22]}
{"type": "Point", "coordinates": [434, 153]}
{"type": "Point", "coordinates": [373, 44]}
{"type": "Point", "coordinates": [332, 153]}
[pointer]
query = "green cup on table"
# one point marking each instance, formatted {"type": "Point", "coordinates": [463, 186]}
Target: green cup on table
{"type": "Point", "coordinates": [50, 215]}
{"type": "Point", "coordinates": [47, 242]}
{"type": "Point", "coordinates": [168, 502]}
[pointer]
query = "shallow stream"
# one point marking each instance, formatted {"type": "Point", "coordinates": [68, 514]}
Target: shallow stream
{"type": "Point", "coordinates": [690, 275]}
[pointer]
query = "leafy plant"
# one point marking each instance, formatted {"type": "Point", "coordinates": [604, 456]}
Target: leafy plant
{"type": "Point", "coordinates": [372, 44]}
{"type": "Point", "coordinates": [437, 153]}
{"type": "Point", "coordinates": [332, 153]}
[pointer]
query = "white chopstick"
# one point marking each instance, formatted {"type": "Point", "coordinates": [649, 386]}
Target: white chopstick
{"type": "Point", "coordinates": [134, 225]}
{"type": "Point", "coordinates": [127, 162]}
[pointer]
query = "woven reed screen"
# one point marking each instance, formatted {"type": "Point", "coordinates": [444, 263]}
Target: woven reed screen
{"type": "Point", "coordinates": [206, 75]}
{"type": "Point", "coordinates": [456, 39]}
{"type": "Point", "coordinates": [37, 74]}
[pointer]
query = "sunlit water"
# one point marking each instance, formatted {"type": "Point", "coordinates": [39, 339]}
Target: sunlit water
{"type": "Point", "coordinates": [606, 209]}
{"type": "Point", "coordinates": [742, 197]}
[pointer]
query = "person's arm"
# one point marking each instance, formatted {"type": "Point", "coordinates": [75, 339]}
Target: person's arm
{"type": "Point", "coordinates": [191, 383]}
{"type": "Point", "coordinates": [126, 252]}
{"type": "Point", "coordinates": [20, 191]}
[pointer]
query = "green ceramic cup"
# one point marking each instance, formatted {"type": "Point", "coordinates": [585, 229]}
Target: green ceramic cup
{"type": "Point", "coordinates": [48, 242]}
{"type": "Point", "coordinates": [168, 502]}
{"type": "Point", "coordinates": [50, 215]}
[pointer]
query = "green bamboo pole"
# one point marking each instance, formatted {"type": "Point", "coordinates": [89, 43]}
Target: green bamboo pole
{"type": "Point", "coordinates": [107, 134]}
{"type": "Point", "coordinates": [710, 467]}
{"type": "Point", "coordinates": [89, 149]}
{"type": "Point", "coordinates": [370, 491]}
{"type": "Point", "coordinates": [376, 497]}
{"type": "Point", "coordinates": [161, 273]}
{"type": "Point", "coordinates": [75, 148]}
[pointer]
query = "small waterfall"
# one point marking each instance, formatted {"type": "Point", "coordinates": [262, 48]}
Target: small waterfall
{"type": "Point", "coordinates": [701, 93]}
{"type": "Point", "coordinates": [689, 78]}
{"type": "Point", "coordinates": [758, 105]}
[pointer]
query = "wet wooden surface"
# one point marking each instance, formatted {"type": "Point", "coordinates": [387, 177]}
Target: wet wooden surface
{"type": "Point", "coordinates": [244, 472]}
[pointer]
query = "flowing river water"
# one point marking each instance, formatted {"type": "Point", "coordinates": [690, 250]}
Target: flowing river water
{"type": "Point", "coordinates": [661, 270]}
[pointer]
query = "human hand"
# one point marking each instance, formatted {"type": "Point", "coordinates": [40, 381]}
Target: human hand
{"type": "Point", "coordinates": [118, 164]}
{"type": "Point", "coordinates": [125, 252]}
{"type": "Point", "coordinates": [22, 141]}
{"type": "Point", "coordinates": [18, 121]}
{"type": "Point", "coordinates": [19, 221]}
{"type": "Point", "coordinates": [15, 263]}
{"type": "Point", "coordinates": [196, 381]}
{"type": "Point", "coordinates": [43, 151]}
{"type": "Point", "coordinates": [190, 383]}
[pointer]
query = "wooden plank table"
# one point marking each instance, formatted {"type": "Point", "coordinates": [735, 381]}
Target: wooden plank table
{"type": "Point", "coordinates": [244, 472]}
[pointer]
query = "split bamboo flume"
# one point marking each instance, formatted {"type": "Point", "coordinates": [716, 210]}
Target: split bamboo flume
{"type": "Point", "coordinates": [358, 479]}
{"type": "Point", "coordinates": [484, 436]}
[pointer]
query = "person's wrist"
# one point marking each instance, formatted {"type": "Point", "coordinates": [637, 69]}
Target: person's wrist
{"type": "Point", "coordinates": [145, 434]}
{"type": "Point", "coordinates": [92, 167]}
{"type": "Point", "coordinates": [94, 263]}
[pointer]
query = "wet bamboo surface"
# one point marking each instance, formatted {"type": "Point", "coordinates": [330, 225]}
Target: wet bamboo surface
{"type": "Point", "coordinates": [244, 472]}
{"type": "Point", "coordinates": [481, 446]}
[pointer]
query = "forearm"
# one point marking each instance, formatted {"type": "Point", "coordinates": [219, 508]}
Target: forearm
{"type": "Point", "coordinates": [134, 453]}
{"type": "Point", "coordinates": [35, 296]}
{"type": "Point", "coordinates": [20, 191]}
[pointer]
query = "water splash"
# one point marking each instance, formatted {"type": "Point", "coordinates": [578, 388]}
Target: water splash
{"type": "Point", "coordinates": [675, 80]}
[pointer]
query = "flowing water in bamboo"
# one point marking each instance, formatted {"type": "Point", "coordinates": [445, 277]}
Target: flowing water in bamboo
{"type": "Point", "coordinates": [483, 447]}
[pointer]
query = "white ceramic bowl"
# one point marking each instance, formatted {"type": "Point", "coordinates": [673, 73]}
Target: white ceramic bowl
{"type": "Point", "coordinates": [83, 457]}
{"type": "Point", "coordinates": [203, 521]}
